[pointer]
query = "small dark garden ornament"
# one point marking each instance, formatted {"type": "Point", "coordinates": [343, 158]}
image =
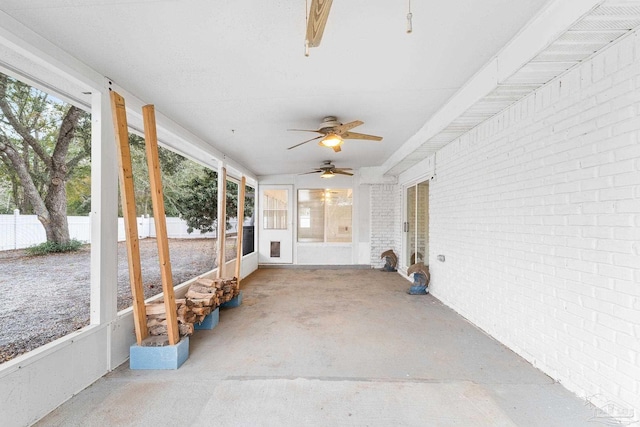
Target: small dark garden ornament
{"type": "Point", "coordinates": [421, 278]}
{"type": "Point", "coordinates": [391, 260]}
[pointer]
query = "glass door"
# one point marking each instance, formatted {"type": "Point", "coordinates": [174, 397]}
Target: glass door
{"type": "Point", "coordinates": [416, 225]}
{"type": "Point", "coordinates": [409, 227]}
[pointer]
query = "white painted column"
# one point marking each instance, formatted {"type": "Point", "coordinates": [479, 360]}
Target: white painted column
{"type": "Point", "coordinates": [104, 211]}
{"type": "Point", "coordinates": [221, 218]}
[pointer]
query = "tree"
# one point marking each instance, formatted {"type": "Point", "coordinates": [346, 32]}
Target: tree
{"type": "Point", "coordinates": [176, 172]}
{"type": "Point", "coordinates": [198, 204]}
{"type": "Point", "coordinates": [42, 143]}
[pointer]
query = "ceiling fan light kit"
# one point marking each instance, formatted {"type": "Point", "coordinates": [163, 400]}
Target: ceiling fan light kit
{"type": "Point", "coordinates": [331, 140]}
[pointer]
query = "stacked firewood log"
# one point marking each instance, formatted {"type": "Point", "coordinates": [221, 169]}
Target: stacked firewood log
{"type": "Point", "coordinates": [223, 290]}
{"type": "Point", "coordinates": [202, 297]}
{"type": "Point", "coordinates": [157, 317]}
{"type": "Point", "coordinates": [229, 287]}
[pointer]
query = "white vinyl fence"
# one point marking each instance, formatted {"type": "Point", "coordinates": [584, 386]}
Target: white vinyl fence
{"type": "Point", "coordinates": [21, 231]}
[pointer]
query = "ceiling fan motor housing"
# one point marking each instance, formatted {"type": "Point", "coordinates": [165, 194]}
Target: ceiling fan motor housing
{"type": "Point", "coordinates": [329, 123]}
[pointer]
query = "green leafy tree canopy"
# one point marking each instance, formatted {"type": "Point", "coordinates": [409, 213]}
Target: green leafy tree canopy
{"type": "Point", "coordinates": [198, 203]}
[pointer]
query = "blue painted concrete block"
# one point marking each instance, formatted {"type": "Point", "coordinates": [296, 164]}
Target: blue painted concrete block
{"type": "Point", "coordinates": [234, 302]}
{"type": "Point", "coordinates": [163, 357]}
{"type": "Point", "coordinates": [210, 321]}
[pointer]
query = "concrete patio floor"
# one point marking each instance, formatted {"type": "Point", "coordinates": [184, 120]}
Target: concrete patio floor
{"type": "Point", "coordinates": [333, 347]}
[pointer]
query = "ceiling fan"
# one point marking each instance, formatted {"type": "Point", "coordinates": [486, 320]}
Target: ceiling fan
{"type": "Point", "coordinates": [328, 170]}
{"type": "Point", "coordinates": [333, 133]}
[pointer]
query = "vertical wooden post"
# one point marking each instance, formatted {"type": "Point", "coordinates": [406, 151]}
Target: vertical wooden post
{"type": "Point", "coordinates": [243, 184]}
{"type": "Point", "coordinates": [222, 218]}
{"type": "Point", "coordinates": [160, 220]}
{"type": "Point", "coordinates": [129, 212]}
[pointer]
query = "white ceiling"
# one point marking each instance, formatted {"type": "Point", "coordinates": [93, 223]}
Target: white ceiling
{"type": "Point", "coordinates": [234, 72]}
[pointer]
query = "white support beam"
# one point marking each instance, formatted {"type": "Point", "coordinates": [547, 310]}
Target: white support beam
{"type": "Point", "coordinates": [48, 67]}
{"type": "Point", "coordinates": [42, 52]}
{"type": "Point", "coordinates": [222, 219]}
{"type": "Point", "coordinates": [177, 138]}
{"type": "Point", "coordinates": [475, 89]}
{"type": "Point", "coordinates": [374, 175]}
{"type": "Point", "coordinates": [541, 31]}
{"type": "Point", "coordinates": [41, 79]}
{"type": "Point", "coordinates": [104, 212]}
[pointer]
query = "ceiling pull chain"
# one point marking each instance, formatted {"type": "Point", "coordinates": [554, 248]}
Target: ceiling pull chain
{"type": "Point", "coordinates": [306, 22]}
{"type": "Point", "coordinates": [409, 17]}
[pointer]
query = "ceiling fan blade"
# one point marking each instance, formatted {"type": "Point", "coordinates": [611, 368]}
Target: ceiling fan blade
{"type": "Point", "coordinates": [337, 148]}
{"type": "Point", "coordinates": [347, 126]}
{"type": "Point", "coordinates": [339, 172]}
{"type": "Point", "coordinates": [308, 173]}
{"type": "Point", "coordinates": [354, 135]}
{"type": "Point", "coordinates": [342, 169]}
{"type": "Point", "coordinates": [304, 142]}
{"type": "Point", "coordinates": [306, 130]}
{"type": "Point", "coordinates": [318, 14]}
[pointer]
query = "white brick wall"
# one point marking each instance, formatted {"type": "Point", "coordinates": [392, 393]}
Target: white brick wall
{"type": "Point", "coordinates": [386, 221]}
{"type": "Point", "coordinates": [538, 214]}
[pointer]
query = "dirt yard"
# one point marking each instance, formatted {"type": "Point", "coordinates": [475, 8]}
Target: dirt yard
{"type": "Point", "coordinates": [46, 297]}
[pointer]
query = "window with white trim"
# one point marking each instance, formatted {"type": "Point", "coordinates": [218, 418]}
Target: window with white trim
{"type": "Point", "coordinates": [325, 215]}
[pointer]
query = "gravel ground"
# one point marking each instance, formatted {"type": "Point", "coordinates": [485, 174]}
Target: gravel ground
{"type": "Point", "coordinates": [43, 298]}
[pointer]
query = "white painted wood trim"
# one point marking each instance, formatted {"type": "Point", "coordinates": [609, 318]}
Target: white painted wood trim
{"type": "Point", "coordinates": [104, 212]}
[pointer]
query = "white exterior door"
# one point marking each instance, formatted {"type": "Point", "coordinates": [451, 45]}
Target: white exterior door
{"type": "Point", "coordinates": [276, 224]}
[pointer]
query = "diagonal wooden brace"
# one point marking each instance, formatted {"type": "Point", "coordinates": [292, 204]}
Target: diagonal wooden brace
{"type": "Point", "coordinates": [159, 217]}
{"type": "Point", "coordinates": [127, 195]}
